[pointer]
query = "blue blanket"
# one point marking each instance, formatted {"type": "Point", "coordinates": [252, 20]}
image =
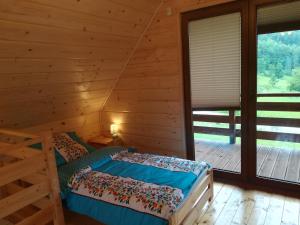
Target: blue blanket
{"type": "Point", "coordinates": [112, 214]}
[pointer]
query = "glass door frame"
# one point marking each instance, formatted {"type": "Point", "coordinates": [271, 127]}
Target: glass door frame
{"type": "Point", "coordinates": [247, 178]}
{"type": "Point", "coordinates": [213, 11]}
{"type": "Point", "coordinates": [267, 183]}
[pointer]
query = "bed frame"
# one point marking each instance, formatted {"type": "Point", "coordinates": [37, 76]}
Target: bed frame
{"type": "Point", "coordinates": [29, 186]}
{"type": "Point", "coordinates": [201, 193]}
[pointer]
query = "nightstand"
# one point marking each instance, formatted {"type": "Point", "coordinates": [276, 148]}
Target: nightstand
{"type": "Point", "coordinates": [100, 141]}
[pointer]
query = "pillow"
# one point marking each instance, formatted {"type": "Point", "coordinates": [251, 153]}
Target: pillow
{"type": "Point", "coordinates": [68, 148]}
{"type": "Point", "coordinates": [76, 138]}
{"type": "Point", "coordinates": [60, 160]}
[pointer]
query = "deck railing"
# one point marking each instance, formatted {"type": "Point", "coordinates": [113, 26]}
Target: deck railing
{"type": "Point", "coordinates": [232, 119]}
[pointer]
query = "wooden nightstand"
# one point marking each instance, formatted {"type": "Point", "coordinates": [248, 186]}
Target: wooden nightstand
{"type": "Point", "coordinates": [100, 141]}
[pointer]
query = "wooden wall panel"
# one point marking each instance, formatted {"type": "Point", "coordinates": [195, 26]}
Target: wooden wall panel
{"type": "Point", "coordinates": [148, 99]}
{"type": "Point", "coordinates": [60, 59]}
{"type": "Point", "coordinates": [86, 126]}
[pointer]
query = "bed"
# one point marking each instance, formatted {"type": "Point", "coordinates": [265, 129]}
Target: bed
{"type": "Point", "coordinates": [119, 186]}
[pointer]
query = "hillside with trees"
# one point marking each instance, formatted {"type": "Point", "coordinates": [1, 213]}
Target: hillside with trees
{"type": "Point", "coordinates": [279, 62]}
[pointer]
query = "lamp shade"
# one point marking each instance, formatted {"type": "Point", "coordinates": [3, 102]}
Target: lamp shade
{"type": "Point", "coordinates": [114, 129]}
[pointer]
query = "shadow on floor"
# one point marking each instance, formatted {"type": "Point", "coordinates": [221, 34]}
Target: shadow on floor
{"type": "Point", "coordinates": [72, 218]}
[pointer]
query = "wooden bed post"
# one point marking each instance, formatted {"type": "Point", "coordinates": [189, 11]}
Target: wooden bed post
{"type": "Point", "coordinates": [211, 185]}
{"type": "Point", "coordinates": [53, 178]}
{"type": "Point", "coordinates": [202, 192]}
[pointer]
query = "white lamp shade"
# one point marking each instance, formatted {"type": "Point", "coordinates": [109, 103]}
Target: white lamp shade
{"type": "Point", "coordinates": [114, 129]}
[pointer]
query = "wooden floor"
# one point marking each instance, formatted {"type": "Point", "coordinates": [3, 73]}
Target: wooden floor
{"type": "Point", "coordinates": [275, 163]}
{"type": "Point", "coordinates": [234, 206]}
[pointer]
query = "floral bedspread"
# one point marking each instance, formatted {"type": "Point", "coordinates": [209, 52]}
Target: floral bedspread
{"type": "Point", "coordinates": [148, 195]}
{"type": "Point", "coordinates": [157, 200]}
{"type": "Point", "coordinates": [169, 163]}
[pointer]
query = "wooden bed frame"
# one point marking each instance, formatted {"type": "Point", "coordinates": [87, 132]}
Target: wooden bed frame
{"type": "Point", "coordinates": [29, 186]}
{"type": "Point", "coordinates": [188, 213]}
{"type": "Point", "coordinates": [201, 193]}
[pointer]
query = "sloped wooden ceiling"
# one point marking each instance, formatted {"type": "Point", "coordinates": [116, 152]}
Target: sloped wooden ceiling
{"type": "Point", "coordinates": [148, 99]}
{"type": "Point", "coordinates": [60, 59]}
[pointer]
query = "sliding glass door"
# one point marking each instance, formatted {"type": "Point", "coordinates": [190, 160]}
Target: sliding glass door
{"type": "Point", "coordinates": [241, 64]}
{"type": "Point", "coordinates": [214, 66]}
{"type": "Point", "coordinates": [278, 92]}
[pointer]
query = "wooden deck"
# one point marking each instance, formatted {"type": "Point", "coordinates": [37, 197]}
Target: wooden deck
{"type": "Point", "coordinates": [275, 163]}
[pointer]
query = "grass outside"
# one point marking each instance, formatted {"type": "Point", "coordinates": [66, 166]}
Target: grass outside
{"type": "Point", "coordinates": [279, 99]}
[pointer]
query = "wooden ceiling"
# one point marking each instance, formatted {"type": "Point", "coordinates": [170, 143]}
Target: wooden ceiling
{"type": "Point", "coordinates": [61, 58]}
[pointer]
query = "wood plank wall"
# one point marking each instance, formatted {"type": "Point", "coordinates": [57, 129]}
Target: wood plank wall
{"type": "Point", "coordinates": [148, 99]}
{"type": "Point", "coordinates": [60, 59]}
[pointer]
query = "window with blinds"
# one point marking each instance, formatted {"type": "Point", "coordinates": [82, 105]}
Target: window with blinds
{"type": "Point", "coordinates": [215, 61]}
{"type": "Point", "coordinates": [279, 14]}
{"type": "Point", "coordinates": [278, 18]}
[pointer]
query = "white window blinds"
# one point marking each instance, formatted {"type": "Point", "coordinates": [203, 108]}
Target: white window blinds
{"type": "Point", "coordinates": [215, 61]}
{"type": "Point", "coordinates": [276, 14]}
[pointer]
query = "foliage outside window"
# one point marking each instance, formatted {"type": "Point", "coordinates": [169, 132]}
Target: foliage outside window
{"type": "Point", "coordinates": [279, 62]}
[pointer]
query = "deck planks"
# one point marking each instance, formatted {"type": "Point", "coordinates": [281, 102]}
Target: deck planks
{"type": "Point", "coordinates": [281, 164]}
{"type": "Point", "coordinates": [293, 171]}
{"type": "Point", "coordinates": [269, 163]}
{"type": "Point", "coordinates": [277, 163]}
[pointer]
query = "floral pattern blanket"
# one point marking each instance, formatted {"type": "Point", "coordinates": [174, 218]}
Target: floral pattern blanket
{"type": "Point", "coordinates": [169, 163]}
{"type": "Point", "coordinates": [157, 200]}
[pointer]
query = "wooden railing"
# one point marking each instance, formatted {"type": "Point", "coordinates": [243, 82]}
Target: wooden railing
{"type": "Point", "coordinates": [29, 187]}
{"type": "Point", "coordinates": [232, 120]}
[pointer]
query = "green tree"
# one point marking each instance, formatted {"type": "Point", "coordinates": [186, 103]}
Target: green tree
{"type": "Point", "coordinates": [278, 62]}
{"type": "Point", "coordinates": [295, 80]}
